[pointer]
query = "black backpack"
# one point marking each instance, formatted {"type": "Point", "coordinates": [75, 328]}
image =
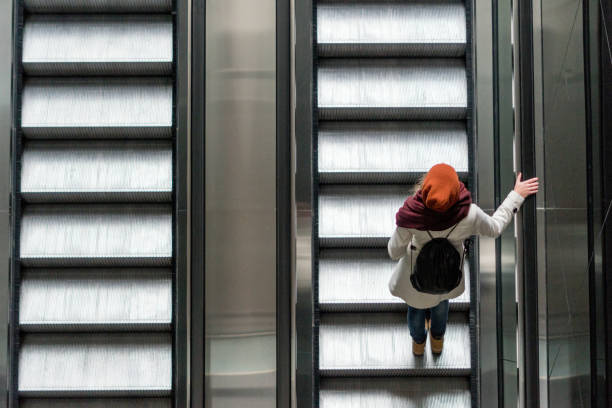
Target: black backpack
{"type": "Point", "coordinates": [439, 267]}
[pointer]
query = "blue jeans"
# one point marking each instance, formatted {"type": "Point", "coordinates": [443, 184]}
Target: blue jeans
{"type": "Point", "coordinates": [416, 321]}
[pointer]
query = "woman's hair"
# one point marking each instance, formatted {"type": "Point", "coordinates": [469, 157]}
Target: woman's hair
{"type": "Point", "coordinates": [419, 184]}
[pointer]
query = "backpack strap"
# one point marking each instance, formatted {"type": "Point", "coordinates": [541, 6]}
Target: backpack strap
{"type": "Point", "coordinates": [451, 231]}
{"type": "Point", "coordinates": [466, 249]}
{"type": "Point", "coordinates": [447, 235]}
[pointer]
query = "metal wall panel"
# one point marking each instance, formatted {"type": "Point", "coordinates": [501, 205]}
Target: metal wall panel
{"type": "Point", "coordinates": [240, 214]}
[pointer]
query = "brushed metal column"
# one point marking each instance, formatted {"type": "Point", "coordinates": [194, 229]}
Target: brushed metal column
{"type": "Point", "coordinates": [240, 204]}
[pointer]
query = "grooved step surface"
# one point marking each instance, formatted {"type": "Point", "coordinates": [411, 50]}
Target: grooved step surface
{"type": "Point", "coordinates": [395, 393]}
{"type": "Point", "coordinates": [111, 171]}
{"type": "Point", "coordinates": [356, 280]}
{"type": "Point", "coordinates": [392, 89]}
{"type": "Point", "coordinates": [374, 28]}
{"type": "Point", "coordinates": [96, 235]}
{"type": "Point", "coordinates": [94, 299]}
{"type": "Point", "coordinates": [359, 215]}
{"type": "Point", "coordinates": [95, 365]}
{"type": "Point", "coordinates": [97, 44]}
{"type": "Point", "coordinates": [97, 6]}
{"type": "Point", "coordinates": [88, 107]}
{"type": "Point", "coordinates": [388, 151]}
{"type": "Point", "coordinates": [95, 403]}
{"type": "Point", "coordinates": [379, 344]}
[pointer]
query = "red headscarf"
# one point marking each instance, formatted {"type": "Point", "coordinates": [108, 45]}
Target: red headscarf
{"type": "Point", "coordinates": [442, 202]}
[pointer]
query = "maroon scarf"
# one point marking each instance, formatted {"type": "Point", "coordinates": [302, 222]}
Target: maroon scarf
{"type": "Point", "coordinates": [414, 214]}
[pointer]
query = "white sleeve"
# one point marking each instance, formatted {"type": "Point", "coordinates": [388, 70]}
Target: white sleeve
{"type": "Point", "coordinates": [493, 226]}
{"type": "Point", "coordinates": [399, 242]}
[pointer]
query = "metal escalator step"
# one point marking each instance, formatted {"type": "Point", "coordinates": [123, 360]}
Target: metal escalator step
{"type": "Point", "coordinates": [383, 29]}
{"type": "Point", "coordinates": [94, 170]}
{"type": "Point", "coordinates": [57, 365]}
{"type": "Point", "coordinates": [395, 393]}
{"type": "Point", "coordinates": [97, 6]}
{"type": "Point", "coordinates": [362, 216]}
{"type": "Point", "coordinates": [96, 235]}
{"type": "Point", "coordinates": [388, 152]}
{"type": "Point", "coordinates": [98, 44]}
{"type": "Point", "coordinates": [95, 299]}
{"type": "Point", "coordinates": [137, 402]}
{"type": "Point", "coordinates": [379, 344]}
{"type": "Point", "coordinates": [97, 107]}
{"type": "Point", "coordinates": [356, 280]}
{"type": "Point", "coordinates": [95, 403]}
{"type": "Point", "coordinates": [390, 89]}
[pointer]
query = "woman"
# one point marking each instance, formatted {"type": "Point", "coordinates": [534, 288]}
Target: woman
{"type": "Point", "coordinates": [441, 206]}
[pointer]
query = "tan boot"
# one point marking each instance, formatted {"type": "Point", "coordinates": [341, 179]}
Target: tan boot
{"type": "Point", "coordinates": [436, 344]}
{"type": "Point", "coordinates": [418, 349]}
{"type": "Point", "coordinates": [427, 324]}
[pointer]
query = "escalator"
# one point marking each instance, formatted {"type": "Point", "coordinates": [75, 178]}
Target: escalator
{"type": "Point", "coordinates": [392, 96]}
{"type": "Point", "coordinates": [93, 282]}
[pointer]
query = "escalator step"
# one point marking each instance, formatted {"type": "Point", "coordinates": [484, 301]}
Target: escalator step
{"type": "Point", "coordinates": [359, 216]}
{"type": "Point", "coordinates": [62, 365]}
{"type": "Point", "coordinates": [369, 28]}
{"type": "Point", "coordinates": [379, 344]}
{"type": "Point", "coordinates": [95, 299]}
{"type": "Point", "coordinates": [96, 235]}
{"type": "Point", "coordinates": [392, 89]}
{"type": "Point", "coordinates": [388, 152]}
{"type": "Point", "coordinates": [98, 45]}
{"type": "Point", "coordinates": [95, 403]}
{"type": "Point", "coordinates": [70, 171]}
{"type": "Point", "coordinates": [97, 6]}
{"type": "Point", "coordinates": [355, 280]}
{"type": "Point", "coordinates": [97, 107]}
{"type": "Point", "coordinates": [395, 393]}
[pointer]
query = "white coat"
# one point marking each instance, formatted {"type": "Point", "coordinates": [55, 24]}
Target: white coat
{"type": "Point", "coordinates": [477, 222]}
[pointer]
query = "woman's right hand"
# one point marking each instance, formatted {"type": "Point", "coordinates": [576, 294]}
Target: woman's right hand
{"type": "Point", "coordinates": [527, 187]}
